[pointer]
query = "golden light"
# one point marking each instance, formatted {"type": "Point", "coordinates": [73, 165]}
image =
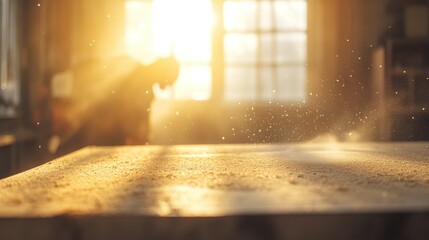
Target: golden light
{"type": "Point", "coordinates": [182, 28]}
{"type": "Point", "coordinates": [179, 28]}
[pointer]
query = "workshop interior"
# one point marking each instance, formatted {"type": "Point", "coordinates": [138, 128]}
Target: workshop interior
{"type": "Point", "coordinates": [251, 72]}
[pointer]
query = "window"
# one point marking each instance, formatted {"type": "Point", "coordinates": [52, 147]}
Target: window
{"type": "Point", "coordinates": [180, 28]}
{"type": "Point", "coordinates": [264, 46]}
{"type": "Point", "coordinates": [9, 63]}
{"type": "Point", "coordinates": [270, 63]}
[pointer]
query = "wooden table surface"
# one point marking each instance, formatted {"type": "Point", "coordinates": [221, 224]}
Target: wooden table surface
{"type": "Point", "coordinates": [224, 180]}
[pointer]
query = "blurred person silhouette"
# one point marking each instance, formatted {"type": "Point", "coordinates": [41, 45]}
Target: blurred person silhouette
{"type": "Point", "coordinates": [110, 102]}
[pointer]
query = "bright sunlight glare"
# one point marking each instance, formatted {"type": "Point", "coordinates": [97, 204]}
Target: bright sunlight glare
{"type": "Point", "coordinates": [182, 29]}
{"type": "Point", "coordinates": [182, 25]}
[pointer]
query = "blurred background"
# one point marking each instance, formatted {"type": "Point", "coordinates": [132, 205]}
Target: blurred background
{"type": "Point", "coordinates": [252, 71]}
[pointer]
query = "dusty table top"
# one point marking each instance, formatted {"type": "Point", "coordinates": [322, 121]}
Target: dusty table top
{"type": "Point", "coordinates": [217, 180]}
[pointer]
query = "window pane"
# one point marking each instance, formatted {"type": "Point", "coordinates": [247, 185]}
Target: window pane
{"type": "Point", "coordinates": [266, 15]}
{"type": "Point", "coordinates": [268, 91]}
{"type": "Point", "coordinates": [291, 14]}
{"type": "Point", "coordinates": [239, 15]}
{"type": "Point", "coordinates": [291, 83]}
{"type": "Point", "coordinates": [267, 48]}
{"type": "Point", "coordinates": [240, 48]}
{"type": "Point", "coordinates": [240, 83]}
{"type": "Point", "coordinates": [291, 47]}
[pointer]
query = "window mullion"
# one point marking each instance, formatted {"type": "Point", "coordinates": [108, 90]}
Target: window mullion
{"type": "Point", "coordinates": [259, 87]}
{"type": "Point", "coordinates": [218, 66]}
{"type": "Point", "coordinates": [274, 77]}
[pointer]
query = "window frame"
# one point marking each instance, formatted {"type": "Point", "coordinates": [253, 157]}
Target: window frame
{"type": "Point", "coordinates": [258, 32]}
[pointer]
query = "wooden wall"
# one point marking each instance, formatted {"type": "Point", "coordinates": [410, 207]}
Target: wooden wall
{"type": "Point", "coordinates": [342, 36]}
{"type": "Point", "coordinates": [58, 34]}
